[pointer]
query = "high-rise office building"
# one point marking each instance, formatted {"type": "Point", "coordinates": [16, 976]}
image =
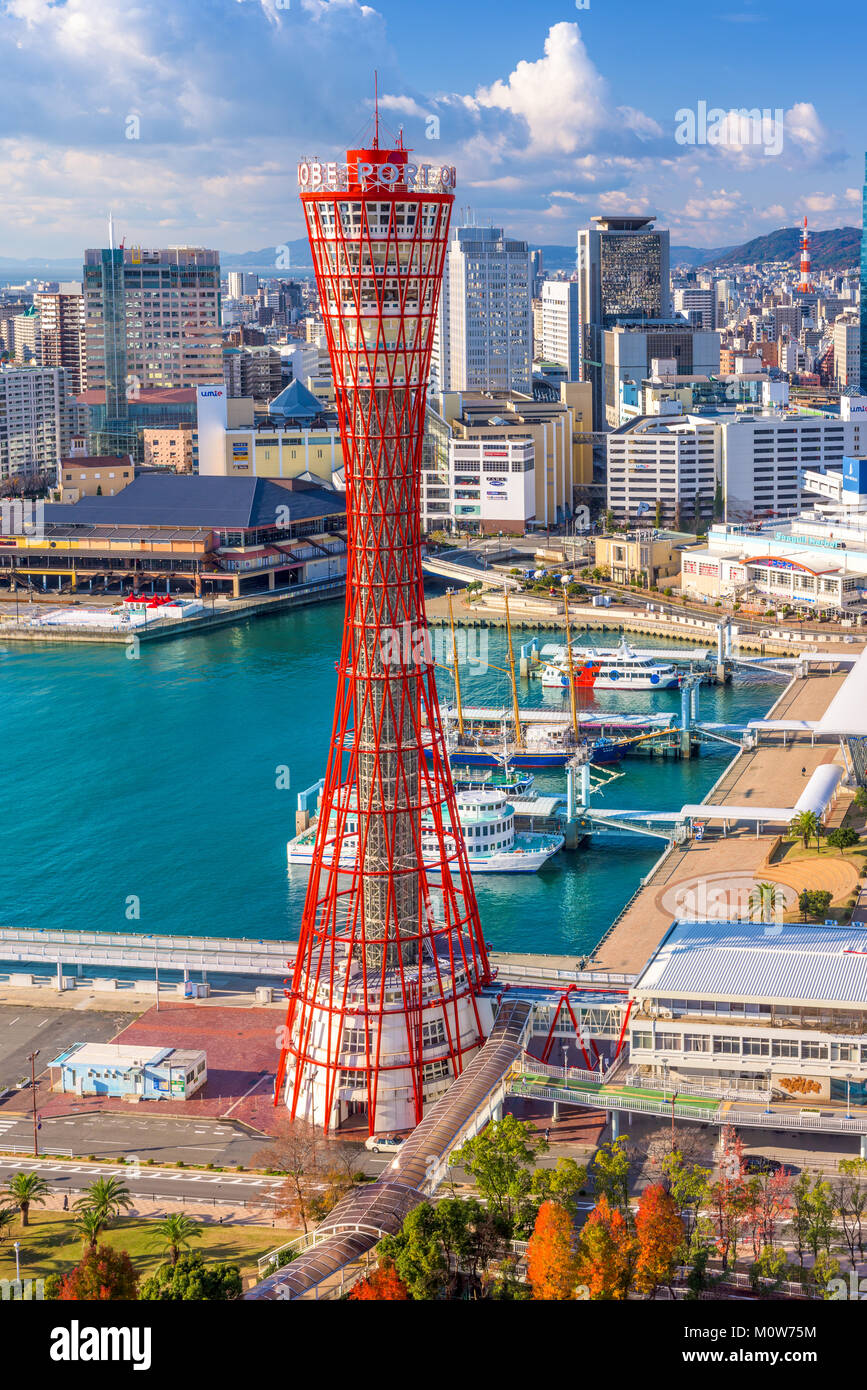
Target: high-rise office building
{"type": "Point", "coordinates": [152, 318]}
{"type": "Point", "coordinates": [484, 333]}
{"type": "Point", "coordinates": [864, 283]}
{"type": "Point", "coordinates": [623, 277]}
{"type": "Point", "coordinates": [561, 326]}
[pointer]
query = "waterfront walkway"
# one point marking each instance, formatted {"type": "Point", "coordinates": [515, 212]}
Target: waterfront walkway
{"type": "Point", "coordinates": [770, 774]}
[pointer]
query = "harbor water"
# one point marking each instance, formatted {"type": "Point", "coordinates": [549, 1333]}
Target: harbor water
{"type": "Point", "coordinates": [157, 793]}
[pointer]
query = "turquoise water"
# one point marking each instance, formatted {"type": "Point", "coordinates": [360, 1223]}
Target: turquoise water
{"type": "Point", "coordinates": [156, 779]}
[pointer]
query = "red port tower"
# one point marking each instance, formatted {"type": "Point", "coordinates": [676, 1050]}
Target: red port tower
{"type": "Point", "coordinates": [805, 285]}
{"type": "Point", "coordinates": [384, 1005]}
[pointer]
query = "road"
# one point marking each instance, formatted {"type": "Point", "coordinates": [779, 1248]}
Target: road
{"type": "Point", "coordinates": [106, 1134]}
{"type": "Point", "coordinates": [229, 1189]}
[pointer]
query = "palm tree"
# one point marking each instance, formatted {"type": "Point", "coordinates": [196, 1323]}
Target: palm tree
{"type": "Point", "coordinates": [766, 899]}
{"type": "Point", "coordinates": [89, 1224]}
{"type": "Point", "coordinates": [175, 1231]}
{"type": "Point", "coordinates": [7, 1216]}
{"type": "Point", "coordinates": [807, 824]}
{"type": "Point", "coordinates": [24, 1189]}
{"type": "Point", "coordinates": [106, 1198]}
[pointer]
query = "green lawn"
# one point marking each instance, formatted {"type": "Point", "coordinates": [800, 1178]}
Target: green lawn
{"type": "Point", "coordinates": [50, 1244]}
{"type": "Point", "coordinates": [533, 1079]}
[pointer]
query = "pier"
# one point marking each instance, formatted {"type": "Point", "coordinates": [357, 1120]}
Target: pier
{"type": "Point", "coordinates": [766, 774]}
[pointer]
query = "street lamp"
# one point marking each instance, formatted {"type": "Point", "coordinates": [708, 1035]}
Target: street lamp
{"type": "Point", "coordinates": [848, 1088]}
{"type": "Point", "coordinates": [566, 1061]}
{"type": "Point", "coordinates": [768, 1110]}
{"type": "Point", "coordinates": [16, 1246]}
{"type": "Point", "coordinates": [32, 1060]}
{"type": "Point", "coordinates": [663, 1062]}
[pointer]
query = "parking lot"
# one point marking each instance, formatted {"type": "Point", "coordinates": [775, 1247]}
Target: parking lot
{"type": "Point", "coordinates": [31, 1027]}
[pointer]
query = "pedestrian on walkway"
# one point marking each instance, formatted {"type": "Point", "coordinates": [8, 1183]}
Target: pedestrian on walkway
{"type": "Point", "coordinates": [65, 1202]}
{"type": "Point", "coordinates": [803, 772]}
{"type": "Point", "coordinates": [547, 1134]}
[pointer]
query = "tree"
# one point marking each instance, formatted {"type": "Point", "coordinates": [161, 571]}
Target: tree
{"type": "Point", "coordinates": [814, 902]}
{"type": "Point", "coordinates": [812, 1216]}
{"type": "Point", "coordinates": [104, 1200]}
{"type": "Point", "coordinates": [769, 1205]}
{"type": "Point", "coordinates": [563, 1183]}
{"type": "Point", "coordinates": [551, 1264]}
{"type": "Point", "coordinates": [850, 1199]}
{"type": "Point", "coordinates": [175, 1231]}
{"type": "Point", "coordinates": [7, 1217]}
{"type": "Point", "coordinates": [609, 520]}
{"type": "Point", "coordinates": [844, 837]}
{"type": "Point", "coordinates": [729, 1197]}
{"type": "Point", "coordinates": [689, 1185]}
{"type": "Point", "coordinates": [439, 1247]}
{"type": "Point", "coordinates": [718, 502]}
{"type": "Point", "coordinates": [191, 1280]}
{"type": "Point", "coordinates": [611, 1169]}
{"type": "Point", "coordinates": [860, 799]}
{"type": "Point", "coordinates": [657, 520]}
{"type": "Point", "coordinates": [89, 1226]}
{"type": "Point", "coordinates": [807, 825]}
{"type": "Point", "coordinates": [766, 901]}
{"type": "Point", "coordinates": [500, 1162]}
{"type": "Point", "coordinates": [295, 1151]}
{"type": "Point", "coordinates": [660, 1236]}
{"type": "Point", "coordinates": [607, 1252]}
{"type": "Point", "coordinates": [25, 1189]}
{"type": "Point", "coordinates": [383, 1285]}
{"type": "Point", "coordinates": [103, 1275]}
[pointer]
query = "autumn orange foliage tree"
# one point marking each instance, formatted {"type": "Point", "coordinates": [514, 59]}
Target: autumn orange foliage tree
{"type": "Point", "coordinates": [551, 1265]}
{"type": "Point", "coordinates": [660, 1235]}
{"type": "Point", "coordinates": [383, 1285]}
{"type": "Point", "coordinates": [607, 1252]}
{"type": "Point", "coordinates": [104, 1275]}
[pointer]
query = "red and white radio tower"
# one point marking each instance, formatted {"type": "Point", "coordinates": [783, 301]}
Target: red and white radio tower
{"type": "Point", "coordinates": [806, 286]}
{"type": "Point", "coordinates": [384, 1005]}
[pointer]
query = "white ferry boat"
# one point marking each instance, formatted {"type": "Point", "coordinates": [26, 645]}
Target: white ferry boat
{"type": "Point", "coordinates": [621, 669]}
{"type": "Point", "coordinates": [487, 821]}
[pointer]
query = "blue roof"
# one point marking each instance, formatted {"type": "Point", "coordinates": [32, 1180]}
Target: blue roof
{"type": "Point", "coordinates": [171, 499]}
{"type": "Point", "coordinates": [295, 402]}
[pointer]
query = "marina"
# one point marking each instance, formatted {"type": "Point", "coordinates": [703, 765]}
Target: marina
{"type": "Point", "coordinates": [208, 723]}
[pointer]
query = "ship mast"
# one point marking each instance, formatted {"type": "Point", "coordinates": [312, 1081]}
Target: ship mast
{"type": "Point", "coordinates": [518, 739]}
{"type": "Point", "coordinates": [571, 670]}
{"type": "Point", "coordinates": [449, 592]}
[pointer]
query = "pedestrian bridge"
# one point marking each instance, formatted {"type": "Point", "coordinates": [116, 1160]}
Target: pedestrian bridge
{"type": "Point", "coordinates": [365, 1215]}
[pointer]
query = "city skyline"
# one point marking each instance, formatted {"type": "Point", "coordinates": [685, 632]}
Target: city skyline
{"type": "Point", "coordinates": [179, 127]}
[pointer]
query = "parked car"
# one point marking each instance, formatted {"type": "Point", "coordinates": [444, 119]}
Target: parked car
{"type": "Point", "coordinates": [383, 1143]}
{"type": "Point", "coordinates": [757, 1163]}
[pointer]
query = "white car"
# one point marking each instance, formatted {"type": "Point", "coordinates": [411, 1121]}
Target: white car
{"type": "Point", "coordinates": [383, 1143]}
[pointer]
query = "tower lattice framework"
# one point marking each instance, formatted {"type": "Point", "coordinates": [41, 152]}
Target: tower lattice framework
{"type": "Point", "coordinates": [384, 1004]}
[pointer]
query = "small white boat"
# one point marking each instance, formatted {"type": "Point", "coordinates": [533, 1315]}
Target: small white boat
{"type": "Point", "coordinates": [487, 822]}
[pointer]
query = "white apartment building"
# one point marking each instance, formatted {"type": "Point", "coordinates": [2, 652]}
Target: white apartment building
{"type": "Point", "coordinates": [759, 458]}
{"type": "Point", "coordinates": [35, 420]}
{"type": "Point", "coordinates": [490, 487]}
{"type": "Point", "coordinates": [847, 351]}
{"type": "Point", "coordinates": [697, 305]}
{"type": "Point", "coordinates": [670, 460]}
{"type": "Point", "coordinates": [484, 332]}
{"type": "Point", "coordinates": [561, 326]}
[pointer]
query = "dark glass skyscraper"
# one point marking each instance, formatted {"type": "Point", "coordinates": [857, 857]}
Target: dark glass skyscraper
{"type": "Point", "coordinates": [864, 283]}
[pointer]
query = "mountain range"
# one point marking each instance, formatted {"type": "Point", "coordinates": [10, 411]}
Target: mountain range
{"type": "Point", "coordinates": [837, 249]}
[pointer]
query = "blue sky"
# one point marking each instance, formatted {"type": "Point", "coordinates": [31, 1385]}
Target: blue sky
{"type": "Point", "coordinates": [549, 111]}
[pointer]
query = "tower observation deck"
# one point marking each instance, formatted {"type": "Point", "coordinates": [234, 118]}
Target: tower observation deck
{"type": "Point", "coordinates": [384, 1005]}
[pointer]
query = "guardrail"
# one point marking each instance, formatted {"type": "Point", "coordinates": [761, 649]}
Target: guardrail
{"type": "Point", "coordinates": [16, 1149]}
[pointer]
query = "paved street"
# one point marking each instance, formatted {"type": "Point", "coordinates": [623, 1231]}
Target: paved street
{"type": "Point", "coordinates": [229, 1189]}
{"type": "Point", "coordinates": [108, 1135]}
